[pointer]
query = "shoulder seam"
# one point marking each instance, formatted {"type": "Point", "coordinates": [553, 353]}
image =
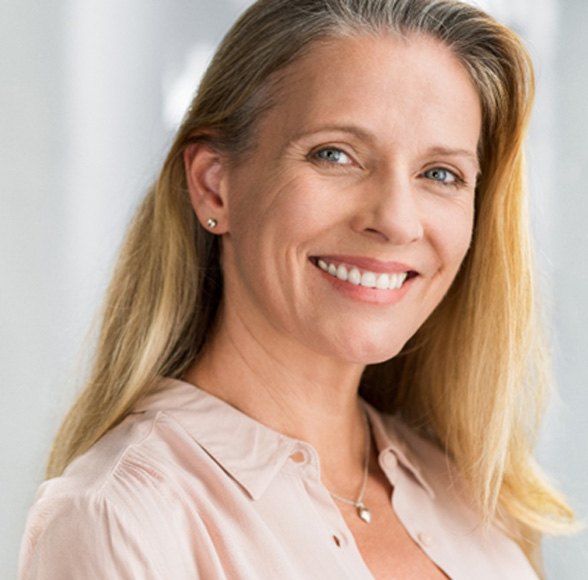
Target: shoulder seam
{"type": "Point", "coordinates": [121, 458]}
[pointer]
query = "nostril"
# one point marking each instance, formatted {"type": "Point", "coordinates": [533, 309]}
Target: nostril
{"type": "Point", "coordinates": [376, 233]}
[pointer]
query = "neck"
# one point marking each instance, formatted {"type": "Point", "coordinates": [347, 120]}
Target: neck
{"type": "Point", "coordinates": [292, 390]}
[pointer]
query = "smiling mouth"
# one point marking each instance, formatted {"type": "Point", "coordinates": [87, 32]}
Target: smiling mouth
{"type": "Point", "coordinates": [365, 278]}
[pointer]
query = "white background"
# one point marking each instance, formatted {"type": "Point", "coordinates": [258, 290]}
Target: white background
{"type": "Point", "coordinates": [90, 93]}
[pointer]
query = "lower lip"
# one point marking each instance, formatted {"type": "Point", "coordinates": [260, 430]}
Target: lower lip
{"type": "Point", "coordinates": [368, 295]}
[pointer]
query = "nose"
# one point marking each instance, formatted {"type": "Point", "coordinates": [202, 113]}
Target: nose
{"type": "Point", "coordinates": [390, 210]}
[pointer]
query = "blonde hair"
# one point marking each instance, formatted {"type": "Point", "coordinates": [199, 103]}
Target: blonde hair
{"type": "Point", "coordinates": [474, 375]}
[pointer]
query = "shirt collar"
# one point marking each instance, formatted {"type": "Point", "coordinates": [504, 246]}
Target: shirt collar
{"type": "Point", "coordinates": [247, 450]}
{"type": "Point", "coordinates": [391, 435]}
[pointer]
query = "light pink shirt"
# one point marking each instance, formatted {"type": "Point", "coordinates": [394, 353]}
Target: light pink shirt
{"type": "Point", "coordinates": [188, 487]}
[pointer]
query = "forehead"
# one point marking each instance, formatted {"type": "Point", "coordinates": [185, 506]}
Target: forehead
{"type": "Point", "coordinates": [389, 85]}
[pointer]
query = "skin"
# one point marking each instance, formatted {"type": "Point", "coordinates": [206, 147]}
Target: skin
{"type": "Point", "coordinates": [368, 158]}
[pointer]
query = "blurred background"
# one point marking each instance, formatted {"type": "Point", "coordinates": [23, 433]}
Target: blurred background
{"type": "Point", "coordinates": [91, 92]}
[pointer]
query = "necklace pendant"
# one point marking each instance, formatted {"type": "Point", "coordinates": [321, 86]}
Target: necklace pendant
{"type": "Point", "coordinates": [364, 513]}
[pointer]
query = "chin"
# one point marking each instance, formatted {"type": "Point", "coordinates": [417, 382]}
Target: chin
{"type": "Point", "coordinates": [378, 357]}
{"type": "Point", "coordinates": [369, 352]}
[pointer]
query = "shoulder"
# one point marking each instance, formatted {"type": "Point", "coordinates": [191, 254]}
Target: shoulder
{"type": "Point", "coordinates": [113, 505]}
{"type": "Point", "coordinates": [144, 452]}
{"type": "Point", "coordinates": [132, 451]}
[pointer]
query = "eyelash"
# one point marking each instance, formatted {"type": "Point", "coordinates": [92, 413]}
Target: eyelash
{"type": "Point", "coordinates": [456, 183]}
{"type": "Point", "coordinates": [315, 155]}
{"type": "Point", "coordinates": [457, 180]}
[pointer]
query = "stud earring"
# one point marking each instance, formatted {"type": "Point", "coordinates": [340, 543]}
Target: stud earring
{"type": "Point", "coordinates": [212, 223]}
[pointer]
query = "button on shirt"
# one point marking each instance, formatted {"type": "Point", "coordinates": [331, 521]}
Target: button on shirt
{"type": "Point", "coordinates": [189, 487]}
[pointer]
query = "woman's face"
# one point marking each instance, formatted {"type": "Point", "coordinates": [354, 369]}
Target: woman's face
{"type": "Point", "coordinates": [349, 219]}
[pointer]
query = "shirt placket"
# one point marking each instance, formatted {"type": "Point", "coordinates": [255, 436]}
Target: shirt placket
{"type": "Point", "coordinates": [338, 538]}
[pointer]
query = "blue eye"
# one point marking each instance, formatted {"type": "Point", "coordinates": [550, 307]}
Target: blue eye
{"type": "Point", "coordinates": [442, 175]}
{"type": "Point", "coordinates": [333, 155]}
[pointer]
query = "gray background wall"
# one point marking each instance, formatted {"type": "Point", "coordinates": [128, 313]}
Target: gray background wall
{"type": "Point", "coordinates": [90, 92]}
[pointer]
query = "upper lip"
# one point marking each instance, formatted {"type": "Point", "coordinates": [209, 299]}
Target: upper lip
{"type": "Point", "coordinates": [369, 264]}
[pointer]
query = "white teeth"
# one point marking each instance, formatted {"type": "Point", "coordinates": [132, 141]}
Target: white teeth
{"type": "Point", "coordinates": [383, 282]}
{"type": "Point", "coordinates": [366, 279]}
{"type": "Point", "coordinates": [342, 273]}
{"type": "Point", "coordinates": [354, 277]}
{"type": "Point", "coordinates": [399, 280]}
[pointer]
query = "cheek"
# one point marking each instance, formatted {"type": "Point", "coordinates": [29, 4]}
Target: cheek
{"type": "Point", "coordinates": [266, 227]}
{"type": "Point", "coordinates": [293, 213]}
{"type": "Point", "coordinates": [462, 241]}
{"type": "Point", "coordinates": [458, 229]}
{"type": "Point", "coordinates": [452, 235]}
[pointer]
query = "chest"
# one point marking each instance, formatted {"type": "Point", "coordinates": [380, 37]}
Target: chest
{"type": "Point", "coordinates": [385, 545]}
{"type": "Point", "coordinates": [287, 526]}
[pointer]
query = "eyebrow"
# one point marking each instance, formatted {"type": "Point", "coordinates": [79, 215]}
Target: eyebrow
{"type": "Point", "coordinates": [370, 138]}
{"type": "Point", "coordinates": [450, 152]}
{"type": "Point", "coordinates": [353, 129]}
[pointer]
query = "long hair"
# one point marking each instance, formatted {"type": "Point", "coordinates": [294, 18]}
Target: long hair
{"type": "Point", "coordinates": [474, 375]}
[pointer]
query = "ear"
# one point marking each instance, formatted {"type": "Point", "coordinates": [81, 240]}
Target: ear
{"type": "Point", "coordinates": [205, 175]}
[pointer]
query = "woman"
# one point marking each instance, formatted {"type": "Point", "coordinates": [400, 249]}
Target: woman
{"type": "Point", "coordinates": [342, 212]}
